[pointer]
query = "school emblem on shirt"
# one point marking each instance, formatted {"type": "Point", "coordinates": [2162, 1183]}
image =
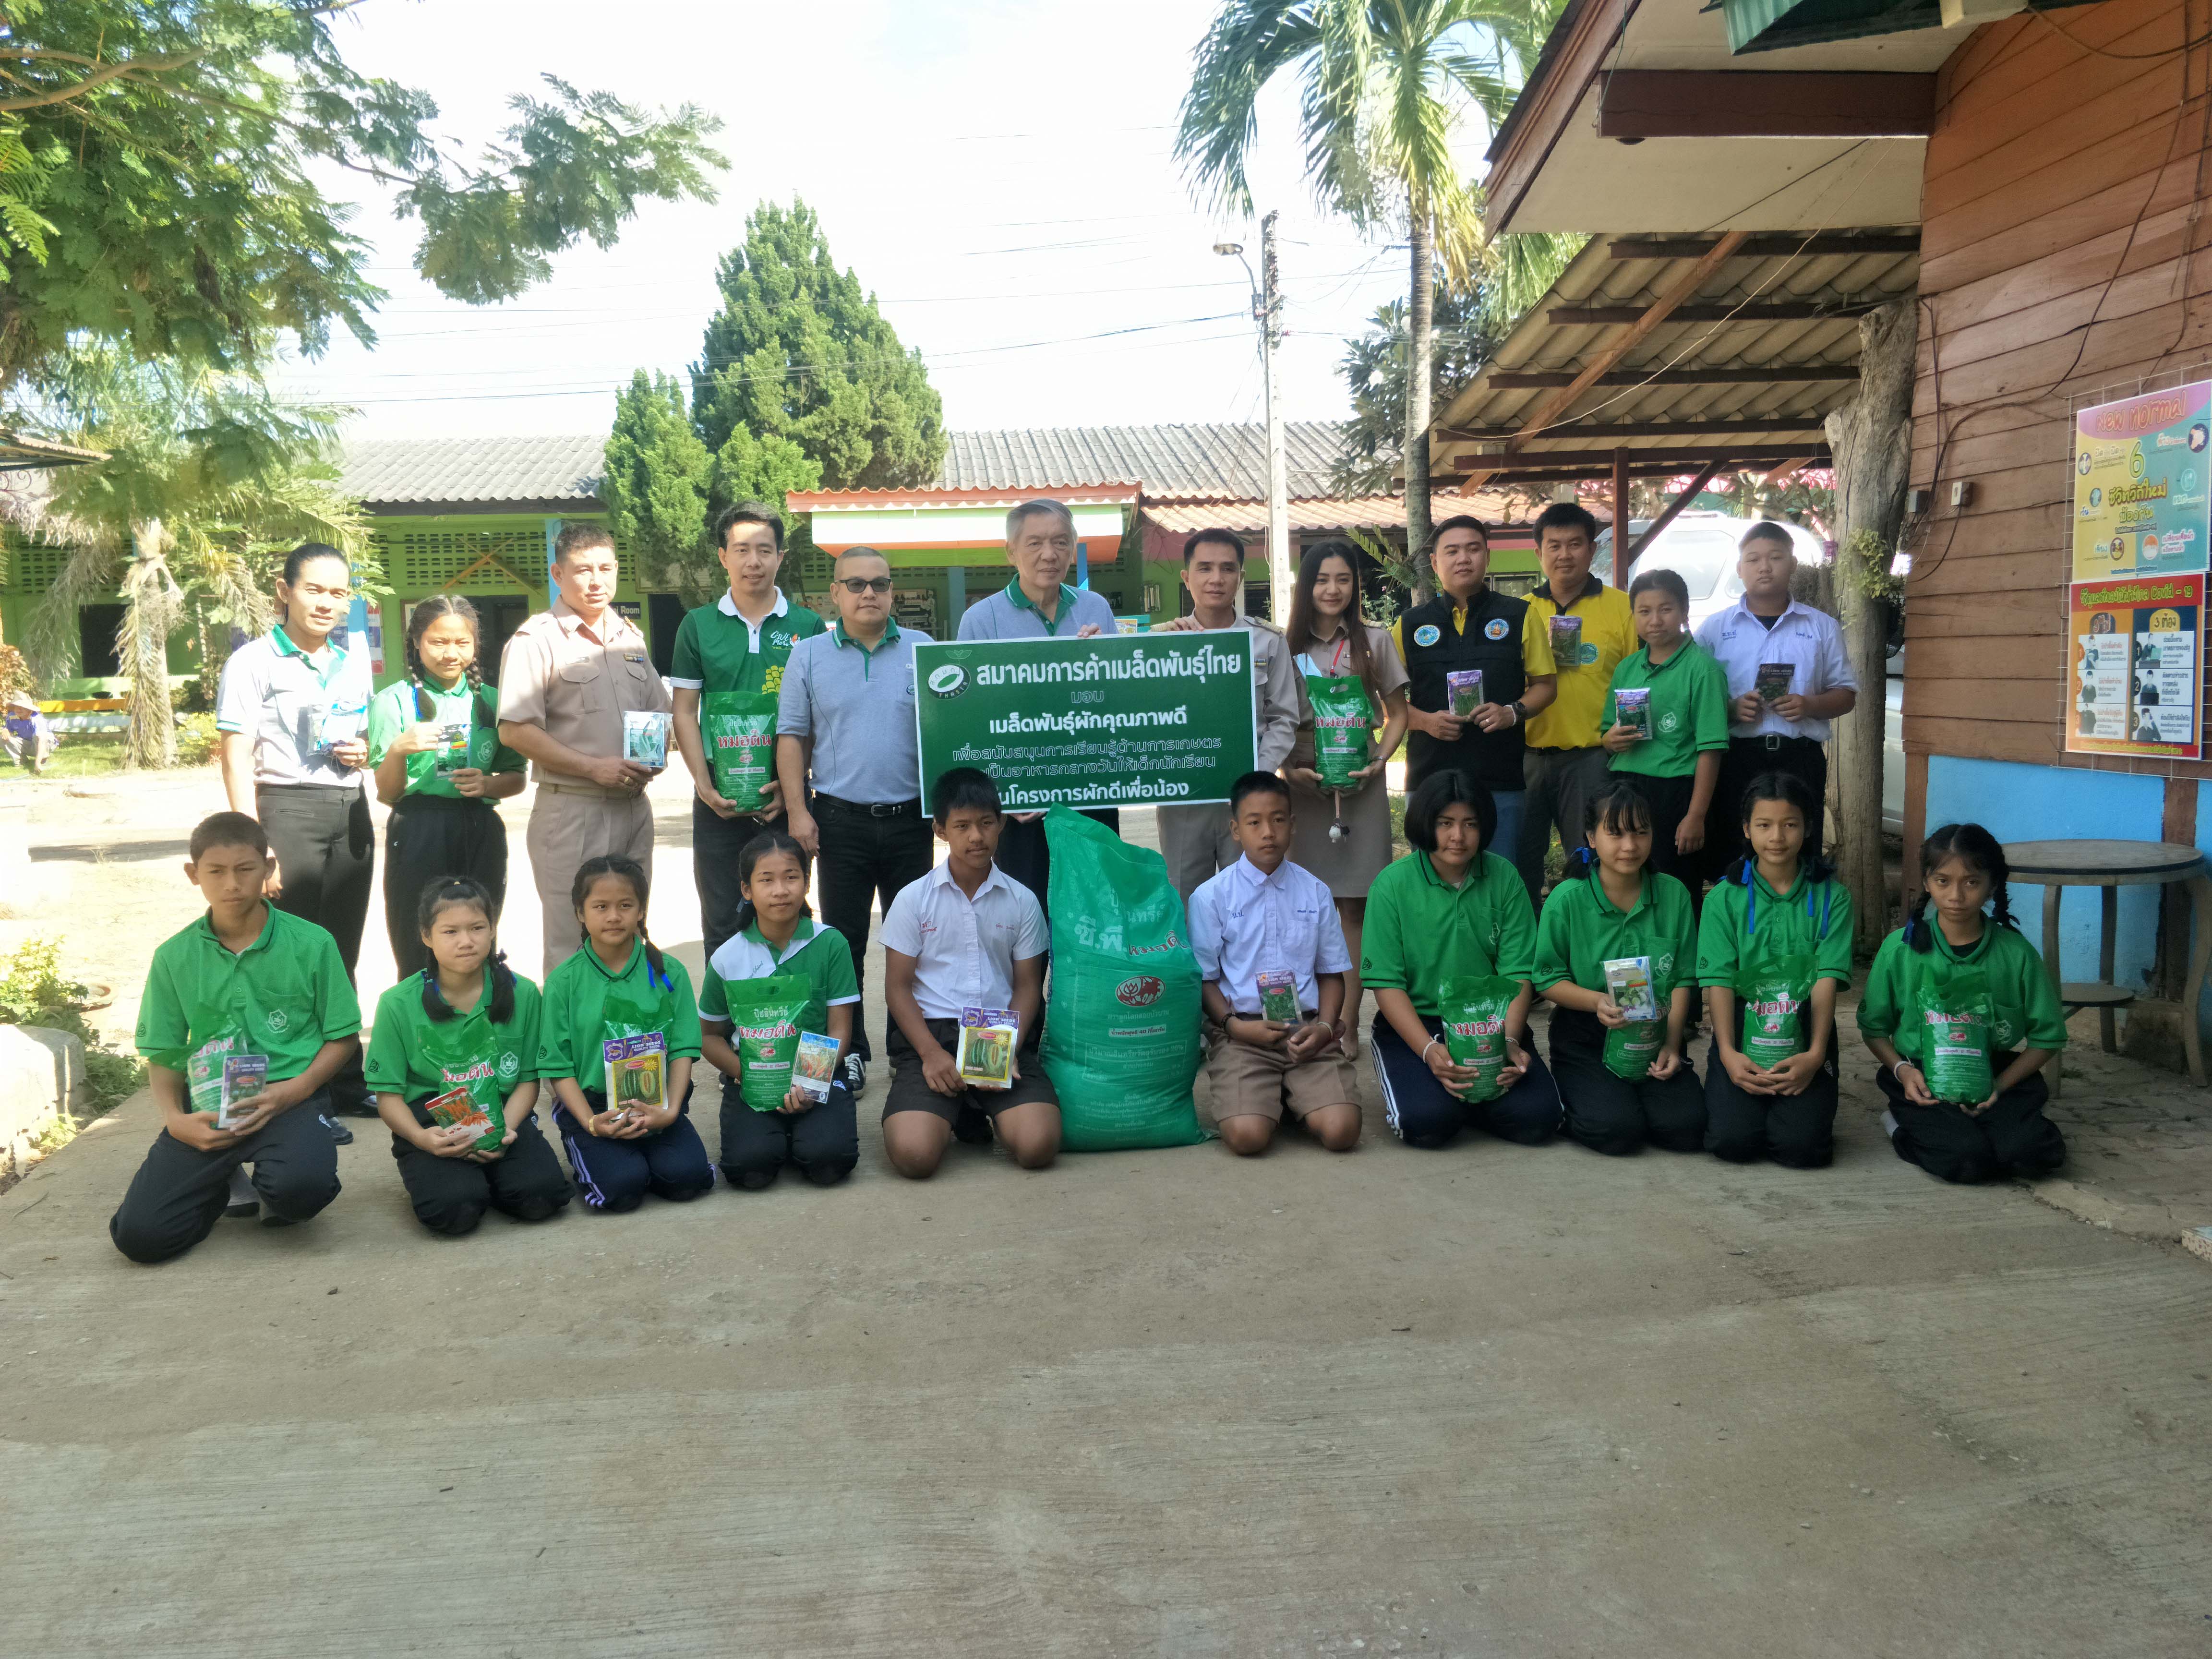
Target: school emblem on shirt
{"type": "Point", "coordinates": [509, 1064]}
{"type": "Point", "coordinates": [1589, 653]}
{"type": "Point", "coordinates": [278, 1020]}
{"type": "Point", "coordinates": [1427, 634]}
{"type": "Point", "coordinates": [1670, 721]}
{"type": "Point", "coordinates": [1496, 629]}
{"type": "Point", "coordinates": [2003, 1034]}
{"type": "Point", "coordinates": [1662, 968]}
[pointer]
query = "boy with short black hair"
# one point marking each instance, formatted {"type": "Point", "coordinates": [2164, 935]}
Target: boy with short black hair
{"type": "Point", "coordinates": [1265, 930]}
{"type": "Point", "coordinates": [965, 936]}
{"type": "Point", "coordinates": [248, 1014]}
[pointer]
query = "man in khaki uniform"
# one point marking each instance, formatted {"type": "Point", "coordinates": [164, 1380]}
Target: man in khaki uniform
{"type": "Point", "coordinates": [567, 678]}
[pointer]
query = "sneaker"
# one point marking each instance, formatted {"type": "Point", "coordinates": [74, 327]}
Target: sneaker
{"type": "Point", "coordinates": [339, 1132]}
{"type": "Point", "coordinates": [972, 1126]}
{"type": "Point", "coordinates": [244, 1202]}
{"type": "Point", "coordinates": [856, 1076]}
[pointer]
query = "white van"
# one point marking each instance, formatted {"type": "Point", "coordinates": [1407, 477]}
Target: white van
{"type": "Point", "coordinates": [1701, 549]}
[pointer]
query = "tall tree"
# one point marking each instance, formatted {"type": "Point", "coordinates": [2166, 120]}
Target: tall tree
{"type": "Point", "coordinates": [1383, 86]}
{"type": "Point", "coordinates": [799, 351]}
{"type": "Point", "coordinates": [1374, 369]}
{"type": "Point", "coordinates": [159, 188]}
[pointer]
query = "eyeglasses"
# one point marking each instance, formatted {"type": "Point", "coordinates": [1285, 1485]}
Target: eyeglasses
{"type": "Point", "coordinates": [865, 584]}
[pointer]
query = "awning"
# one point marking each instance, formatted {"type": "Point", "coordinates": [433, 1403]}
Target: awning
{"type": "Point", "coordinates": [1772, 25]}
{"type": "Point", "coordinates": [954, 520]}
{"type": "Point", "coordinates": [1182, 517]}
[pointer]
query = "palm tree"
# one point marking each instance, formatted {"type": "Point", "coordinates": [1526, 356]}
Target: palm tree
{"type": "Point", "coordinates": [208, 478]}
{"type": "Point", "coordinates": [1383, 85]}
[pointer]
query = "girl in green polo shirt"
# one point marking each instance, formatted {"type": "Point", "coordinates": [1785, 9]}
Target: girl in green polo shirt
{"type": "Point", "coordinates": [433, 743]}
{"type": "Point", "coordinates": [1776, 933]}
{"type": "Point", "coordinates": [453, 1064]}
{"type": "Point", "coordinates": [618, 1035]}
{"type": "Point", "coordinates": [1954, 995]}
{"type": "Point", "coordinates": [1665, 724]}
{"type": "Point", "coordinates": [783, 967]}
{"type": "Point", "coordinates": [1623, 1079]}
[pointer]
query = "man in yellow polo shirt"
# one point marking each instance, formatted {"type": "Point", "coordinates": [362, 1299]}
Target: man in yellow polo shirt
{"type": "Point", "coordinates": [1563, 764]}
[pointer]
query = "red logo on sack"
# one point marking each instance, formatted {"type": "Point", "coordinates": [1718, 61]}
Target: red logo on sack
{"type": "Point", "coordinates": [1139, 993]}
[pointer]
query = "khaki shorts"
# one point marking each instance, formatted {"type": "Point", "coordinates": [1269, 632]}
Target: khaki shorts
{"type": "Point", "coordinates": [1246, 1081]}
{"type": "Point", "coordinates": [910, 1093]}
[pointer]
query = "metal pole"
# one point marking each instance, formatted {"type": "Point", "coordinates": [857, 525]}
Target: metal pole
{"type": "Point", "coordinates": [1282, 565]}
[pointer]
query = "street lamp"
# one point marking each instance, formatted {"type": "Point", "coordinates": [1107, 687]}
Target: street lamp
{"type": "Point", "coordinates": [1267, 308]}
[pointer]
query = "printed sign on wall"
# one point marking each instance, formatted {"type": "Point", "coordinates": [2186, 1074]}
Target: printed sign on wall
{"type": "Point", "coordinates": [2134, 667]}
{"type": "Point", "coordinates": [2142, 479]}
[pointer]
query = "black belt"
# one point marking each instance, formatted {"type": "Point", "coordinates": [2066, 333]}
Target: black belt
{"type": "Point", "coordinates": [872, 809]}
{"type": "Point", "coordinates": [1774, 742]}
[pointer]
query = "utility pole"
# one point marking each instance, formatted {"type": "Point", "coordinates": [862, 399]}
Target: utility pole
{"type": "Point", "coordinates": [1282, 563]}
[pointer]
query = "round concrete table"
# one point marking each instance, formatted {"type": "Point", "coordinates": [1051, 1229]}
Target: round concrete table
{"type": "Point", "coordinates": [2112, 864]}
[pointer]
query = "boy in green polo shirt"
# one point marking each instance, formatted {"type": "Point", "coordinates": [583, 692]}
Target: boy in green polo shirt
{"type": "Point", "coordinates": [1665, 724]}
{"type": "Point", "coordinates": [247, 1015]}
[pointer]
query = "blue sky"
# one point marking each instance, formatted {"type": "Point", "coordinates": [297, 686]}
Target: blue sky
{"type": "Point", "coordinates": [998, 174]}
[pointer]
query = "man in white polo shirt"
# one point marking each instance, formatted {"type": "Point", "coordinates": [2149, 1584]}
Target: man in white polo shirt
{"type": "Point", "coordinates": [1788, 677]}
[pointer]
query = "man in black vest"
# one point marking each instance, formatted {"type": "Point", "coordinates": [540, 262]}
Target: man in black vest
{"type": "Point", "coordinates": [1469, 626]}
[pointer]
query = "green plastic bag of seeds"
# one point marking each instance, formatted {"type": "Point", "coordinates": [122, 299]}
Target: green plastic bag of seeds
{"type": "Point", "coordinates": [1121, 1029]}
{"type": "Point", "coordinates": [739, 728]}
{"type": "Point", "coordinates": [1474, 1010]}
{"type": "Point", "coordinates": [764, 1016]}
{"type": "Point", "coordinates": [1631, 1048]}
{"type": "Point", "coordinates": [1955, 1051]}
{"type": "Point", "coordinates": [463, 1064]}
{"type": "Point", "coordinates": [1342, 718]}
{"type": "Point", "coordinates": [1773, 995]}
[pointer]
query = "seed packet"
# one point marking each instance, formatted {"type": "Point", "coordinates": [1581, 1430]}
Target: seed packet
{"type": "Point", "coordinates": [645, 736]}
{"type": "Point", "coordinates": [244, 1076]}
{"type": "Point", "coordinates": [1464, 687]}
{"type": "Point", "coordinates": [1773, 995]}
{"type": "Point", "coordinates": [814, 1065]}
{"type": "Point", "coordinates": [764, 1016]}
{"type": "Point", "coordinates": [1628, 981]}
{"type": "Point", "coordinates": [739, 728]}
{"type": "Point", "coordinates": [1631, 1048]}
{"type": "Point", "coordinates": [453, 750]}
{"type": "Point", "coordinates": [1955, 1038]}
{"type": "Point", "coordinates": [1474, 1010]}
{"type": "Point", "coordinates": [1773, 679]}
{"type": "Point", "coordinates": [1342, 718]}
{"type": "Point", "coordinates": [1567, 642]}
{"type": "Point", "coordinates": [1278, 997]}
{"type": "Point", "coordinates": [1632, 707]}
{"type": "Point", "coordinates": [987, 1036]}
{"type": "Point", "coordinates": [456, 1108]}
{"type": "Point", "coordinates": [205, 1073]}
{"type": "Point", "coordinates": [637, 1069]}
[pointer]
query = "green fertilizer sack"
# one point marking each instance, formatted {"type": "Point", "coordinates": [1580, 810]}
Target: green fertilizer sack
{"type": "Point", "coordinates": [465, 1067]}
{"type": "Point", "coordinates": [1636, 990]}
{"type": "Point", "coordinates": [1771, 994]}
{"type": "Point", "coordinates": [1341, 722]}
{"type": "Point", "coordinates": [764, 1016]}
{"type": "Point", "coordinates": [1121, 1029]}
{"type": "Point", "coordinates": [1474, 1010]}
{"type": "Point", "coordinates": [1954, 1052]}
{"type": "Point", "coordinates": [739, 728]}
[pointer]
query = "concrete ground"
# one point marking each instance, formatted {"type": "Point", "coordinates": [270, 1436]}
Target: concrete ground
{"type": "Point", "coordinates": [1486, 1400]}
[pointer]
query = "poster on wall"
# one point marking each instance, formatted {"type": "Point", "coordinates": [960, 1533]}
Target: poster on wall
{"type": "Point", "coordinates": [2142, 479]}
{"type": "Point", "coordinates": [2133, 674]}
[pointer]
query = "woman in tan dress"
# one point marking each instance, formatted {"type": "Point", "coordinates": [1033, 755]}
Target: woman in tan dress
{"type": "Point", "coordinates": [1323, 646]}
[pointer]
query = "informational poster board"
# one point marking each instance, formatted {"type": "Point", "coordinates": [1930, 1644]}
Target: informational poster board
{"type": "Point", "coordinates": [2134, 668]}
{"type": "Point", "coordinates": [2143, 485]}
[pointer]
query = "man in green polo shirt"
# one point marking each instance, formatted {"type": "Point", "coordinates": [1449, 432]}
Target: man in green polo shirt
{"type": "Point", "coordinates": [1673, 749]}
{"type": "Point", "coordinates": [247, 1015]}
{"type": "Point", "coordinates": [738, 643]}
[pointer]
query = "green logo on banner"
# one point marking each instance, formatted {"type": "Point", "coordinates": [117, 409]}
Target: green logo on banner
{"type": "Point", "coordinates": [947, 681]}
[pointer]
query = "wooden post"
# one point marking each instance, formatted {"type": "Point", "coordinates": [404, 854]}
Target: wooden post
{"type": "Point", "coordinates": [1620, 527]}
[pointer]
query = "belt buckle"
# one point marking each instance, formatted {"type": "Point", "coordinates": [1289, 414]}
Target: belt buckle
{"type": "Point", "coordinates": [881, 808]}
{"type": "Point", "coordinates": [1773, 740]}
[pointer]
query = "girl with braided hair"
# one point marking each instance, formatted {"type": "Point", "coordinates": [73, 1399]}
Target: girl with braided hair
{"type": "Point", "coordinates": [1963, 870]}
{"type": "Point", "coordinates": [434, 744]}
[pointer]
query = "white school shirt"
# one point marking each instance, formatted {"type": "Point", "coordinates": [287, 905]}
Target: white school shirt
{"type": "Point", "coordinates": [1243, 924]}
{"type": "Point", "coordinates": [964, 949]}
{"type": "Point", "coordinates": [1808, 639]}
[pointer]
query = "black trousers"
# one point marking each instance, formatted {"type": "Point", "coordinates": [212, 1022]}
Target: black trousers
{"type": "Point", "coordinates": [822, 1143]}
{"type": "Point", "coordinates": [1746, 759]}
{"type": "Point", "coordinates": [867, 856]}
{"type": "Point", "coordinates": [716, 843]}
{"type": "Point", "coordinates": [430, 837]}
{"type": "Point", "coordinates": [617, 1174]}
{"type": "Point", "coordinates": [1796, 1130]}
{"type": "Point", "coordinates": [2012, 1138]}
{"type": "Point", "coordinates": [1025, 858]}
{"type": "Point", "coordinates": [179, 1193]}
{"type": "Point", "coordinates": [325, 847]}
{"type": "Point", "coordinates": [451, 1194]}
{"type": "Point", "coordinates": [1614, 1115]}
{"type": "Point", "coordinates": [1422, 1112]}
{"type": "Point", "coordinates": [1670, 804]}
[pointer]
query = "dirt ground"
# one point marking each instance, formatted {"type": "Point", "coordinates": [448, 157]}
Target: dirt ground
{"type": "Point", "coordinates": [1486, 1400]}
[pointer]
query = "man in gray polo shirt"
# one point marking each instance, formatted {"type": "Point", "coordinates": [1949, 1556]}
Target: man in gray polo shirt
{"type": "Point", "coordinates": [846, 706]}
{"type": "Point", "coordinates": [1038, 604]}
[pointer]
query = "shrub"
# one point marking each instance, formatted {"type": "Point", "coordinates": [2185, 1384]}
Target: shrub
{"type": "Point", "coordinates": [198, 740]}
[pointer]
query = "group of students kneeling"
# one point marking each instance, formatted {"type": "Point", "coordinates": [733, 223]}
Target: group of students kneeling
{"type": "Point", "coordinates": [249, 1012]}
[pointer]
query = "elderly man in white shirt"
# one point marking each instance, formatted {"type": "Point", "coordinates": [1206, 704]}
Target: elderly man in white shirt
{"type": "Point", "coordinates": [1788, 677]}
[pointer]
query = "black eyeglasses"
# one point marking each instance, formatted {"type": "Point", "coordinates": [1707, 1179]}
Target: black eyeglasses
{"type": "Point", "coordinates": [865, 584]}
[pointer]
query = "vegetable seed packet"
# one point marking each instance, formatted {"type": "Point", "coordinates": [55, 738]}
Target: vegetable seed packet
{"type": "Point", "coordinates": [1279, 996]}
{"type": "Point", "coordinates": [1632, 707]}
{"type": "Point", "coordinates": [244, 1076]}
{"type": "Point", "coordinates": [814, 1067]}
{"type": "Point", "coordinates": [453, 750]}
{"type": "Point", "coordinates": [1567, 642]}
{"type": "Point", "coordinates": [987, 1035]}
{"type": "Point", "coordinates": [636, 1066]}
{"type": "Point", "coordinates": [1772, 683]}
{"type": "Point", "coordinates": [645, 736]}
{"type": "Point", "coordinates": [456, 1108]}
{"type": "Point", "coordinates": [1628, 981]}
{"type": "Point", "coordinates": [1464, 687]}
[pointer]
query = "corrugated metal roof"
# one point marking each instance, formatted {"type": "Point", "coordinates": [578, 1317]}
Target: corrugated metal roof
{"type": "Point", "coordinates": [1322, 512]}
{"type": "Point", "coordinates": [478, 470]}
{"type": "Point", "coordinates": [1209, 462]}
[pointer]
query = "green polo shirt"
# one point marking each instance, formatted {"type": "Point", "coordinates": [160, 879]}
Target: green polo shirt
{"type": "Point", "coordinates": [2023, 1005]}
{"type": "Point", "coordinates": [1581, 930]}
{"type": "Point", "coordinates": [286, 994]}
{"type": "Point", "coordinates": [1812, 919]}
{"type": "Point", "coordinates": [816, 954]}
{"type": "Point", "coordinates": [1420, 932]}
{"type": "Point", "coordinates": [412, 1055]}
{"type": "Point", "coordinates": [718, 650]}
{"type": "Point", "coordinates": [394, 710]}
{"type": "Point", "coordinates": [1689, 710]}
{"type": "Point", "coordinates": [574, 1017]}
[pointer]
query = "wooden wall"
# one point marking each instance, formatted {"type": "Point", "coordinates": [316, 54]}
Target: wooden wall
{"type": "Point", "coordinates": [2062, 225]}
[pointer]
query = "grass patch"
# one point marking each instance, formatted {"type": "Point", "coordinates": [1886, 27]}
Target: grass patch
{"type": "Point", "coordinates": [33, 993]}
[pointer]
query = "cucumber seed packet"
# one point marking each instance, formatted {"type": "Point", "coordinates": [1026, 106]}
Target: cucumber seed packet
{"type": "Point", "coordinates": [1955, 1038]}
{"type": "Point", "coordinates": [1772, 681]}
{"type": "Point", "coordinates": [1464, 687]}
{"type": "Point", "coordinates": [814, 1066]}
{"type": "Point", "coordinates": [987, 1036]}
{"type": "Point", "coordinates": [1632, 707]}
{"type": "Point", "coordinates": [1567, 642]}
{"type": "Point", "coordinates": [1278, 997]}
{"type": "Point", "coordinates": [1474, 1010]}
{"type": "Point", "coordinates": [645, 736]}
{"type": "Point", "coordinates": [637, 1069]}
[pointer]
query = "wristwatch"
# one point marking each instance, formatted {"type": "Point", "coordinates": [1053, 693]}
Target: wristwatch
{"type": "Point", "coordinates": [1520, 713]}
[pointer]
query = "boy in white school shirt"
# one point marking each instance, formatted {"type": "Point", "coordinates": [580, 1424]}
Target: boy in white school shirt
{"type": "Point", "coordinates": [1265, 916]}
